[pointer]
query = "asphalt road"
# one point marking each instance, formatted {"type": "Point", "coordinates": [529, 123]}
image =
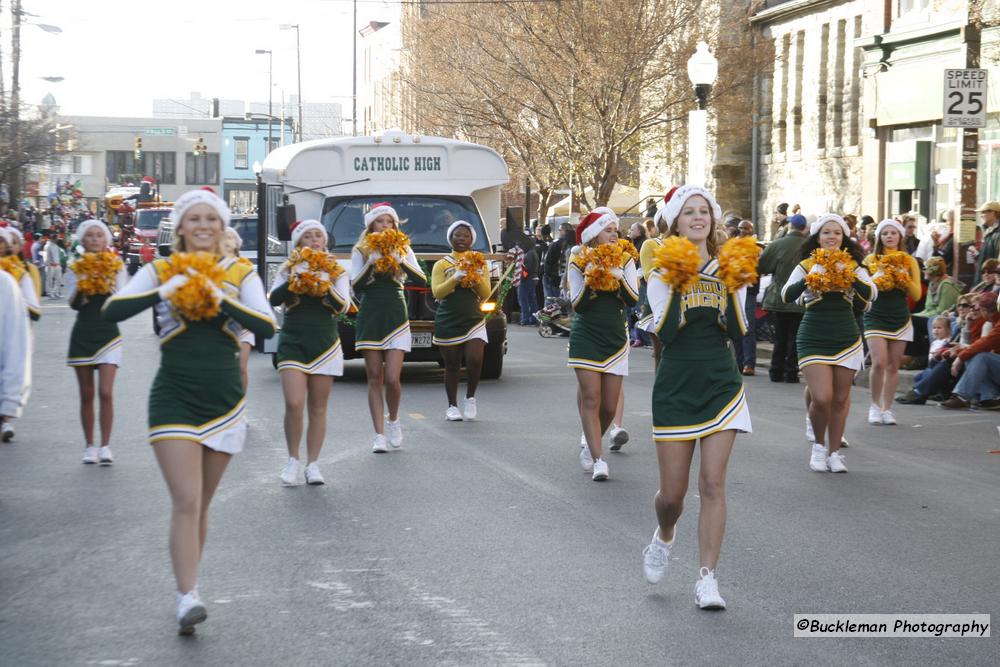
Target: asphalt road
{"type": "Point", "coordinates": [483, 543]}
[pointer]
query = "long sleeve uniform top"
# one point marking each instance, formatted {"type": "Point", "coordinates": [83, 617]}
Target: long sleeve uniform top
{"type": "Point", "coordinates": [13, 346]}
{"type": "Point", "coordinates": [444, 282]}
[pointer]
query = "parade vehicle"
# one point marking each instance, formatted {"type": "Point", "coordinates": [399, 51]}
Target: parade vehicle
{"type": "Point", "coordinates": [430, 181]}
{"type": "Point", "coordinates": [245, 226]}
{"type": "Point", "coordinates": [134, 215]}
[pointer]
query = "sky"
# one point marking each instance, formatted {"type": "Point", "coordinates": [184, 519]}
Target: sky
{"type": "Point", "coordinates": [116, 56]}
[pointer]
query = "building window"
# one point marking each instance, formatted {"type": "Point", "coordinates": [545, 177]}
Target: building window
{"type": "Point", "coordinates": [201, 170]}
{"type": "Point", "coordinates": [907, 6]}
{"type": "Point", "coordinates": [242, 152]}
{"type": "Point", "coordinates": [781, 99]}
{"type": "Point", "coordinates": [122, 165]}
{"type": "Point", "coordinates": [839, 93]}
{"type": "Point", "coordinates": [275, 142]}
{"type": "Point", "coordinates": [800, 47]}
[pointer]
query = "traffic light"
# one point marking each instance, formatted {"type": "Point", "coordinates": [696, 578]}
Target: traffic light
{"type": "Point", "coordinates": [138, 148]}
{"type": "Point", "coordinates": [200, 148]}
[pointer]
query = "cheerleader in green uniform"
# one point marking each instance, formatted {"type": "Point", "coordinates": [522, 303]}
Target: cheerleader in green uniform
{"type": "Point", "coordinates": [887, 323]}
{"type": "Point", "coordinates": [598, 341]}
{"type": "Point", "coordinates": [698, 393]}
{"type": "Point", "coordinates": [828, 341]}
{"type": "Point", "coordinates": [95, 344]}
{"type": "Point", "coordinates": [196, 404]}
{"type": "Point", "coordinates": [309, 353]}
{"type": "Point", "coordinates": [382, 327]}
{"type": "Point", "coordinates": [459, 323]}
{"type": "Point", "coordinates": [231, 246]}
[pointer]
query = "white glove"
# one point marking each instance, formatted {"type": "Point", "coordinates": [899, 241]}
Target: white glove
{"type": "Point", "coordinates": [167, 289]}
{"type": "Point", "coordinates": [375, 255]}
{"type": "Point", "coordinates": [458, 274]}
{"type": "Point", "coordinates": [878, 274]}
{"type": "Point", "coordinates": [216, 292]}
{"type": "Point", "coordinates": [323, 276]}
{"type": "Point", "coordinates": [817, 268]}
{"type": "Point", "coordinates": [299, 269]}
{"type": "Point", "coordinates": [840, 266]}
{"type": "Point", "coordinates": [617, 273]}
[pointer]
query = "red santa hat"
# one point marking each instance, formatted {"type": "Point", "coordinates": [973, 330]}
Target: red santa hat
{"type": "Point", "coordinates": [594, 223]}
{"type": "Point", "coordinates": [303, 226]}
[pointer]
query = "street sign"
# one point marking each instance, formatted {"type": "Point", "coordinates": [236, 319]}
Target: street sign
{"type": "Point", "coordinates": [965, 98]}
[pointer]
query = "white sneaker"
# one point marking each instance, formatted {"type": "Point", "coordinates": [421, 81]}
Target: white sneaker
{"type": "Point", "coordinates": [313, 476]}
{"type": "Point", "coordinates": [379, 445]}
{"type": "Point", "coordinates": [7, 431]}
{"type": "Point", "coordinates": [888, 418]}
{"type": "Point", "coordinates": [874, 414]}
{"type": "Point", "coordinates": [586, 460]}
{"type": "Point", "coordinates": [619, 437]}
{"type": "Point", "coordinates": [190, 612]}
{"type": "Point", "coordinates": [810, 435]}
{"type": "Point", "coordinates": [600, 470]}
{"type": "Point", "coordinates": [654, 558]}
{"type": "Point", "coordinates": [817, 461]}
{"type": "Point", "coordinates": [452, 414]}
{"type": "Point", "coordinates": [469, 408]}
{"type": "Point", "coordinates": [394, 432]}
{"type": "Point", "coordinates": [843, 442]}
{"type": "Point", "coordinates": [836, 463]}
{"type": "Point", "coordinates": [90, 454]}
{"type": "Point", "coordinates": [706, 591]}
{"type": "Point", "coordinates": [290, 474]}
{"type": "Point", "coordinates": [105, 456]}
{"type": "Point", "coordinates": [583, 439]}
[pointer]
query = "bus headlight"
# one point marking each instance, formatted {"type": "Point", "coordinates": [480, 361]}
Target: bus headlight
{"type": "Point", "coordinates": [488, 306]}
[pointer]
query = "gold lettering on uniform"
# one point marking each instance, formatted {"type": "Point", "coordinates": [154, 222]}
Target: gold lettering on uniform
{"type": "Point", "coordinates": [706, 294]}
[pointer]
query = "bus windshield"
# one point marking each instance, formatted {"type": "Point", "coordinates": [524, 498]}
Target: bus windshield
{"type": "Point", "coordinates": [425, 220]}
{"type": "Point", "coordinates": [150, 219]}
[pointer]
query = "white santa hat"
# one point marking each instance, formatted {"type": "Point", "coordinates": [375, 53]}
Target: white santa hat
{"type": "Point", "coordinates": [381, 208]}
{"type": "Point", "coordinates": [889, 222]}
{"type": "Point", "coordinates": [825, 218]}
{"type": "Point", "coordinates": [193, 198]}
{"type": "Point", "coordinates": [461, 223]}
{"type": "Point", "coordinates": [681, 195]}
{"type": "Point", "coordinates": [303, 226]}
{"type": "Point", "coordinates": [86, 225]}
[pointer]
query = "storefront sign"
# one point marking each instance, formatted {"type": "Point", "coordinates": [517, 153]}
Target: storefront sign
{"type": "Point", "coordinates": [964, 98]}
{"type": "Point", "coordinates": [158, 131]}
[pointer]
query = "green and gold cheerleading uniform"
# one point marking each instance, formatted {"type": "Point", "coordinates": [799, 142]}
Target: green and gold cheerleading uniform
{"type": "Point", "coordinates": [383, 322]}
{"type": "Point", "coordinates": [93, 340]}
{"type": "Point", "coordinates": [829, 332]}
{"type": "Point", "coordinates": [698, 388]}
{"type": "Point", "coordinates": [23, 277]}
{"type": "Point", "coordinates": [598, 339]}
{"type": "Point", "coordinates": [309, 341]}
{"type": "Point", "coordinates": [889, 315]}
{"type": "Point", "coordinates": [197, 394]}
{"type": "Point", "coordinates": [458, 318]}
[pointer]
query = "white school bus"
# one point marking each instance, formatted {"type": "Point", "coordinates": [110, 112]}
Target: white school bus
{"type": "Point", "coordinates": [430, 181]}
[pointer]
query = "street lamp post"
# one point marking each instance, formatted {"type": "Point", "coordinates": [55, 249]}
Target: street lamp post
{"type": "Point", "coordinates": [298, 65]}
{"type": "Point", "coordinates": [270, 86]}
{"type": "Point", "coordinates": [354, 69]}
{"type": "Point", "coordinates": [702, 68]}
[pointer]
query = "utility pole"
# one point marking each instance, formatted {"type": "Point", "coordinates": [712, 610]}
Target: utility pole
{"type": "Point", "coordinates": [15, 104]}
{"type": "Point", "coordinates": [298, 61]}
{"type": "Point", "coordinates": [354, 70]}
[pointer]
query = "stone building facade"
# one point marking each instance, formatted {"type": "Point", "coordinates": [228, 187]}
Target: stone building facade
{"type": "Point", "coordinates": [810, 126]}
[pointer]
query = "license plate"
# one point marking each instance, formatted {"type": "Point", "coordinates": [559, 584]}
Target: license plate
{"type": "Point", "coordinates": [421, 339]}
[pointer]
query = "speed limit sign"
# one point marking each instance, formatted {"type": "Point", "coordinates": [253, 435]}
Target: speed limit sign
{"type": "Point", "coordinates": [965, 98]}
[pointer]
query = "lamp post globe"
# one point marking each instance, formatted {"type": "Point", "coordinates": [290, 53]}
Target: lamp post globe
{"type": "Point", "coordinates": [703, 68]}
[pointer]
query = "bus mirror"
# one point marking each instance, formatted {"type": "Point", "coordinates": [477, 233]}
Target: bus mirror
{"type": "Point", "coordinates": [285, 220]}
{"type": "Point", "coordinates": [497, 247]}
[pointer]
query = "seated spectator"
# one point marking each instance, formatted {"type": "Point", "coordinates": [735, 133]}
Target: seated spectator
{"type": "Point", "coordinates": [980, 382]}
{"type": "Point", "coordinates": [989, 283]}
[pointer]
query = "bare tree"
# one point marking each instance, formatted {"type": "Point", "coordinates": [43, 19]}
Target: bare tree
{"type": "Point", "coordinates": [569, 90]}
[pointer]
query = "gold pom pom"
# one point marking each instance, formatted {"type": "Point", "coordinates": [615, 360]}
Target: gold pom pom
{"type": "Point", "coordinates": [389, 243]}
{"type": "Point", "coordinates": [474, 264]}
{"type": "Point", "coordinates": [196, 299]}
{"type": "Point", "coordinates": [839, 271]}
{"type": "Point", "coordinates": [315, 262]}
{"type": "Point", "coordinates": [12, 264]}
{"type": "Point", "coordinates": [895, 269]}
{"type": "Point", "coordinates": [597, 264]}
{"type": "Point", "coordinates": [738, 262]}
{"type": "Point", "coordinates": [678, 261]}
{"type": "Point", "coordinates": [97, 272]}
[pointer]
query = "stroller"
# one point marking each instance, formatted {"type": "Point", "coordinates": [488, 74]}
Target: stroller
{"type": "Point", "coordinates": [554, 319]}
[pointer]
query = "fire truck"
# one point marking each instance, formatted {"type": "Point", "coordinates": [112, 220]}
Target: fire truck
{"type": "Point", "coordinates": [134, 215]}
